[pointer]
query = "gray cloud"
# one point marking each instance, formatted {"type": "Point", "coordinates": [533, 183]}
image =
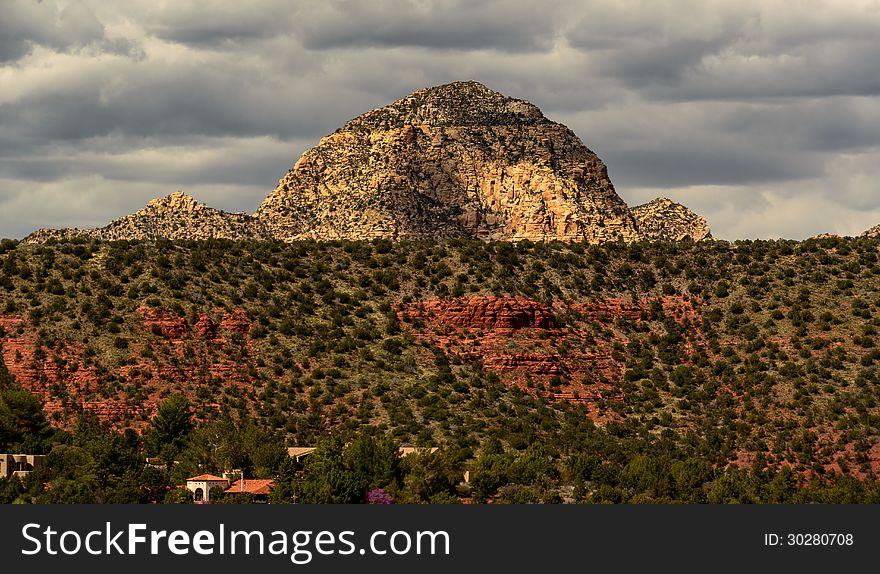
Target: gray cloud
{"type": "Point", "coordinates": [68, 27]}
{"type": "Point", "coordinates": [517, 26]}
{"type": "Point", "coordinates": [217, 24]}
{"type": "Point", "coordinates": [188, 98]}
{"type": "Point", "coordinates": [191, 162]}
{"type": "Point", "coordinates": [695, 166]}
{"type": "Point", "coordinates": [735, 50]}
{"type": "Point", "coordinates": [764, 118]}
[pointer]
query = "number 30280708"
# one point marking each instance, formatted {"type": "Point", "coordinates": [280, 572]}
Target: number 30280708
{"type": "Point", "coordinates": [809, 539]}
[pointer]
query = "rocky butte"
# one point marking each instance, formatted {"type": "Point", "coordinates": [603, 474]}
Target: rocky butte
{"type": "Point", "coordinates": [663, 219]}
{"type": "Point", "coordinates": [176, 216]}
{"type": "Point", "coordinates": [452, 161]}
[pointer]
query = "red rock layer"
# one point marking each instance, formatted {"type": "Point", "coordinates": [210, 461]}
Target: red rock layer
{"type": "Point", "coordinates": [492, 312]}
{"type": "Point", "coordinates": [128, 395]}
{"type": "Point", "coordinates": [521, 340]}
{"type": "Point", "coordinates": [164, 323]}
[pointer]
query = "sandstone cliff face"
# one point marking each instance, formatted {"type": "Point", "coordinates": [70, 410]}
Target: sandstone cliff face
{"type": "Point", "coordinates": [457, 160]}
{"type": "Point", "coordinates": [665, 220]}
{"type": "Point", "coordinates": [176, 216]}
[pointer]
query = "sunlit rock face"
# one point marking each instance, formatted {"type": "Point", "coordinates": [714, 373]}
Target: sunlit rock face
{"type": "Point", "coordinates": [457, 160]}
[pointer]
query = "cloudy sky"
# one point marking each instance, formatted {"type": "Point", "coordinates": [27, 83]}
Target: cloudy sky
{"type": "Point", "coordinates": [764, 116]}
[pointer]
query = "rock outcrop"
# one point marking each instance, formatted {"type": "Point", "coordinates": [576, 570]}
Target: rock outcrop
{"type": "Point", "coordinates": [452, 161]}
{"type": "Point", "coordinates": [192, 356]}
{"type": "Point", "coordinates": [665, 220]}
{"type": "Point", "coordinates": [564, 351]}
{"type": "Point", "coordinates": [457, 160]}
{"type": "Point", "coordinates": [486, 311]}
{"type": "Point", "coordinates": [873, 232]}
{"type": "Point", "coordinates": [175, 216]}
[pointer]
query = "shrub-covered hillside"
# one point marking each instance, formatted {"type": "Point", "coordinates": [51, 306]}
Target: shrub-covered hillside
{"type": "Point", "coordinates": [680, 360]}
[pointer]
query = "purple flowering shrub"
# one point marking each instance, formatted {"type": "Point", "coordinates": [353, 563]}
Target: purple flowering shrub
{"type": "Point", "coordinates": [378, 496]}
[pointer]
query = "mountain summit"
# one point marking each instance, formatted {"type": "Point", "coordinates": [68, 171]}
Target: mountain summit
{"type": "Point", "coordinates": [457, 104]}
{"type": "Point", "coordinates": [452, 161]}
{"type": "Point", "coordinates": [457, 160]}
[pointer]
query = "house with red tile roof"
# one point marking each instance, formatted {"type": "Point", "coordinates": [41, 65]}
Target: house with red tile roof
{"type": "Point", "coordinates": [259, 488]}
{"type": "Point", "coordinates": [202, 484]}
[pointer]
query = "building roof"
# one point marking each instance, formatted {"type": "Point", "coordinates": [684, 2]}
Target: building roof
{"type": "Point", "coordinates": [300, 450]}
{"type": "Point", "coordinates": [207, 478]}
{"type": "Point", "coordinates": [253, 486]}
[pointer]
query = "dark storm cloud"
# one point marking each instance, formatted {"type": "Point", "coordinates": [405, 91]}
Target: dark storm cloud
{"type": "Point", "coordinates": [829, 124]}
{"type": "Point", "coordinates": [190, 99]}
{"type": "Point", "coordinates": [700, 166]}
{"type": "Point", "coordinates": [167, 109]}
{"type": "Point", "coordinates": [720, 143]}
{"type": "Point", "coordinates": [26, 24]}
{"type": "Point", "coordinates": [736, 107]}
{"type": "Point", "coordinates": [736, 50]}
{"type": "Point", "coordinates": [517, 26]}
{"type": "Point", "coordinates": [208, 161]}
{"type": "Point", "coordinates": [220, 25]}
{"type": "Point", "coordinates": [817, 72]}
